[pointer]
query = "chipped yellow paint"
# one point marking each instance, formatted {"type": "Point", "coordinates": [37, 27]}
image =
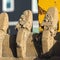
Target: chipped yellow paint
{"type": "Point", "coordinates": [45, 4]}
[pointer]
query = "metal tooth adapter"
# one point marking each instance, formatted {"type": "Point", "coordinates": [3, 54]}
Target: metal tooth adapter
{"type": "Point", "coordinates": [50, 29]}
{"type": "Point", "coordinates": [4, 21]}
{"type": "Point", "coordinates": [24, 26]}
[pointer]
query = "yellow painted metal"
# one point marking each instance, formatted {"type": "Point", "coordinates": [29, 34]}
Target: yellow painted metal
{"type": "Point", "coordinates": [45, 4]}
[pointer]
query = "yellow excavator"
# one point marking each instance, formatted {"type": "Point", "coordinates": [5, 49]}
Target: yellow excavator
{"type": "Point", "coordinates": [43, 6]}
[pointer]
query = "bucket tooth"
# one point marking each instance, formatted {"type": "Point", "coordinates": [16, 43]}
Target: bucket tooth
{"type": "Point", "coordinates": [50, 29]}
